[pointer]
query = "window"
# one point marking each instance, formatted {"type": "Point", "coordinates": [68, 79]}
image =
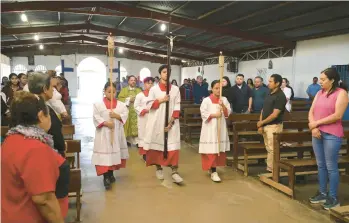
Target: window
{"type": "Point", "coordinates": [123, 73]}
{"type": "Point", "coordinates": [40, 68]}
{"type": "Point", "coordinates": [19, 69]}
{"type": "Point", "coordinates": [58, 70]}
{"type": "Point", "coordinates": [145, 72]}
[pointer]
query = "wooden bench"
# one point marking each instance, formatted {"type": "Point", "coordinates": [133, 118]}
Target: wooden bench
{"type": "Point", "coordinates": [4, 130]}
{"type": "Point", "coordinates": [301, 105]}
{"type": "Point", "coordinates": [257, 150]}
{"type": "Point", "coordinates": [340, 214]}
{"type": "Point", "coordinates": [301, 141]}
{"type": "Point", "coordinates": [75, 190]}
{"type": "Point", "coordinates": [192, 120]}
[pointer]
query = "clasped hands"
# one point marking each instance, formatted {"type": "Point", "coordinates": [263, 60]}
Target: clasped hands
{"type": "Point", "coordinates": [218, 114]}
{"type": "Point", "coordinates": [314, 130]}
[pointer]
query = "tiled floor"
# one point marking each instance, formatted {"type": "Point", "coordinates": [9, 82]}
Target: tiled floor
{"type": "Point", "coordinates": [137, 196]}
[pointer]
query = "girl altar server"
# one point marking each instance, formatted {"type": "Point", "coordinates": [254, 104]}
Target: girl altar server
{"type": "Point", "coordinates": [214, 110]}
{"type": "Point", "coordinates": [109, 154]}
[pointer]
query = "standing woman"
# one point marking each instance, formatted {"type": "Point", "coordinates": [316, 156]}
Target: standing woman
{"type": "Point", "coordinates": [108, 156]}
{"type": "Point", "coordinates": [11, 87]}
{"type": "Point", "coordinates": [174, 82]}
{"type": "Point", "coordinates": [23, 80]}
{"type": "Point", "coordinates": [43, 84]}
{"type": "Point", "coordinates": [325, 122]}
{"type": "Point", "coordinates": [250, 83]}
{"type": "Point", "coordinates": [288, 93]}
{"type": "Point", "coordinates": [214, 110]}
{"type": "Point", "coordinates": [226, 86]}
{"type": "Point", "coordinates": [34, 177]}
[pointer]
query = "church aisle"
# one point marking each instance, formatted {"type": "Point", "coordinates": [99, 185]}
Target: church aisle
{"type": "Point", "coordinates": [137, 196]}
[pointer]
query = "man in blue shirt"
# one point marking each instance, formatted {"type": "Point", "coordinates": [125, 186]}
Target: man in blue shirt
{"type": "Point", "coordinates": [200, 90]}
{"type": "Point", "coordinates": [313, 88]}
{"type": "Point", "coordinates": [259, 92]}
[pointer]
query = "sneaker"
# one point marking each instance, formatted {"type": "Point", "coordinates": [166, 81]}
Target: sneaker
{"type": "Point", "coordinates": [177, 179]}
{"type": "Point", "coordinates": [215, 177]}
{"type": "Point", "coordinates": [107, 183]}
{"type": "Point", "coordinates": [330, 203]}
{"type": "Point", "coordinates": [318, 198]}
{"type": "Point", "coordinates": [159, 174]}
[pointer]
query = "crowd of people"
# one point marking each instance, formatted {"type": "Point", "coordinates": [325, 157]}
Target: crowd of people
{"type": "Point", "coordinates": [35, 173]}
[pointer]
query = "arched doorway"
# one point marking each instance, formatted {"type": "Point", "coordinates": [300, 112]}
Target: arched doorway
{"type": "Point", "coordinates": [91, 74]}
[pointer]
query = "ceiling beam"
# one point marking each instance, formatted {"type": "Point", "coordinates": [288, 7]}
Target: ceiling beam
{"type": "Point", "coordinates": [115, 32]}
{"type": "Point", "coordinates": [312, 11]}
{"type": "Point", "coordinates": [72, 48]}
{"type": "Point", "coordinates": [99, 41]}
{"type": "Point", "coordinates": [216, 10]}
{"type": "Point", "coordinates": [258, 12]}
{"type": "Point", "coordinates": [147, 14]}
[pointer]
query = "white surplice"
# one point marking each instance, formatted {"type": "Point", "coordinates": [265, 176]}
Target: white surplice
{"type": "Point", "coordinates": [140, 104]}
{"type": "Point", "coordinates": [208, 137]}
{"type": "Point", "coordinates": [154, 131]}
{"type": "Point", "coordinates": [105, 154]}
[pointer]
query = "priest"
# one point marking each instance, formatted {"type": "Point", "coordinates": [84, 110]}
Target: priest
{"type": "Point", "coordinates": [128, 95]}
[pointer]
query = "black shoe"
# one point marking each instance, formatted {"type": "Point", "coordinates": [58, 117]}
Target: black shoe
{"type": "Point", "coordinates": [107, 183]}
{"type": "Point", "coordinates": [145, 158]}
{"type": "Point", "coordinates": [111, 176]}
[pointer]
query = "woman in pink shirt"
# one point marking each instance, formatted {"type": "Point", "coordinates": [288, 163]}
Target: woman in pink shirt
{"type": "Point", "coordinates": [325, 122]}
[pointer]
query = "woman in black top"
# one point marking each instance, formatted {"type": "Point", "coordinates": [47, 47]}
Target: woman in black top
{"type": "Point", "coordinates": [226, 86]}
{"type": "Point", "coordinates": [42, 84]}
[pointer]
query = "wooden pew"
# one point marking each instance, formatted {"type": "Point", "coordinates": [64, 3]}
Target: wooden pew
{"type": "Point", "coordinates": [301, 142]}
{"type": "Point", "coordinates": [301, 105]}
{"type": "Point", "coordinates": [257, 150]}
{"type": "Point", "coordinates": [340, 214]}
{"type": "Point", "coordinates": [192, 120]}
{"type": "Point", "coordinates": [4, 130]}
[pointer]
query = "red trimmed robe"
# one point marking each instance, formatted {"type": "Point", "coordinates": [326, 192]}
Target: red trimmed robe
{"type": "Point", "coordinates": [105, 155]}
{"type": "Point", "coordinates": [154, 136]}
{"type": "Point", "coordinates": [209, 145]}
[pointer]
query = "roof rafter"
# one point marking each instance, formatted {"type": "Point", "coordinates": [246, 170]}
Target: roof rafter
{"type": "Point", "coordinates": [147, 14]}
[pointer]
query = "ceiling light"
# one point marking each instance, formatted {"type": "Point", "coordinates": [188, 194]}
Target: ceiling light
{"type": "Point", "coordinates": [184, 61]}
{"type": "Point", "coordinates": [121, 50]}
{"type": "Point", "coordinates": [24, 17]}
{"type": "Point", "coordinates": [36, 37]}
{"type": "Point", "coordinates": [163, 27]}
{"type": "Point", "coordinates": [41, 47]}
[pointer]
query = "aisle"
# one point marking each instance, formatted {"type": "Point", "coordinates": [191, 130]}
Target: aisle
{"type": "Point", "coordinates": [137, 196]}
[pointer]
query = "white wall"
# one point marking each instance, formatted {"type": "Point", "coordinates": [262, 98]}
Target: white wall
{"type": "Point", "coordinates": [310, 58]}
{"type": "Point", "coordinates": [313, 56]}
{"type": "Point", "coordinates": [5, 66]}
{"type": "Point", "coordinates": [132, 67]}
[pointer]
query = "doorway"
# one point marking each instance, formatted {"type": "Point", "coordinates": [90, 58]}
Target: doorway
{"type": "Point", "coordinates": [91, 74]}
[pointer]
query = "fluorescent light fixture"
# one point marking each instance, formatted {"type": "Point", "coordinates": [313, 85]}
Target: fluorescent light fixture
{"type": "Point", "coordinates": [121, 50]}
{"type": "Point", "coordinates": [163, 27]}
{"type": "Point", "coordinates": [36, 37]}
{"type": "Point", "coordinates": [184, 61]}
{"type": "Point", "coordinates": [24, 17]}
{"type": "Point", "coordinates": [41, 47]}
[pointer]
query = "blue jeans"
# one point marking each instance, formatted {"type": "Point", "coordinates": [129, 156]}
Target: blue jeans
{"type": "Point", "coordinates": [326, 151]}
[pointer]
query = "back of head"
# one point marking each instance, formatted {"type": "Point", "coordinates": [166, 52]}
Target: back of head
{"type": "Point", "coordinates": [37, 81]}
{"type": "Point", "coordinates": [25, 107]}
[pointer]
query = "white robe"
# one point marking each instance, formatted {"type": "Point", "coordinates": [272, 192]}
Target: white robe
{"type": "Point", "coordinates": [154, 135]}
{"type": "Point", "coordinates": [288, 93]}
{"type": "Point", "coordinates": [140, 104]}
{"type": "Point", "coordinates": [105, 154]}
{"type": "Point", "coordinates": [208, 137]}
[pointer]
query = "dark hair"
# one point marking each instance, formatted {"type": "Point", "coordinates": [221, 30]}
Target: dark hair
{"type": "Point", "coordinates": [277, 79]}
{"type": "Point", "coordinates": [214, 82]}
{"type": "Point", "coordinates": [185, 79]}
{"type": "Point", "coordinates": [129, 77]}
{"type": "Point", "coordinates": [25, 107]}
{"type": "Point", "coordinates": [228, 81]}
{"type": "Point", "coordinates": [174, 80]}
{"type": "Point", "coordinates": [147, 79]}
{"type": "Point", "coordinates": [240, 75]}
{"type": "Point", "coordinates": [162, 67]}
{"type": "Point", "coordinates": [332, 74]}
{"type": "Point", "coordinates": [250, 80]}
{"type": "Point", "coordinates": [287, 82]}
{"type": "Point", "coordinates": [315, 78]}
{"type": "Point", "coordinates": [21, 75]}
{"type": "Point", "coordinates": [156, 78]}
{"type": "Point", "coordinates": [259, 77]}
{"type": "Point", "coordinates": [108, 85]}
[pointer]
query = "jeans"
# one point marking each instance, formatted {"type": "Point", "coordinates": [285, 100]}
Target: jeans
{"type": "Point", "coordinates": [326, 151]}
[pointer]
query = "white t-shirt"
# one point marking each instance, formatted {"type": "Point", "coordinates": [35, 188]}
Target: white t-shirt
{"type": "Point", "coordinates": [288, 93]}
